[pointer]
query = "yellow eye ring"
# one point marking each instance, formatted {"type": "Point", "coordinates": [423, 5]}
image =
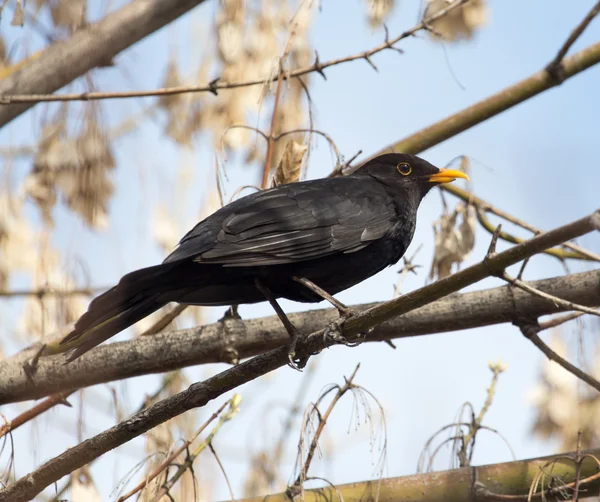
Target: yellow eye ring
{"type": "Point", "coordinates": [404, 168]}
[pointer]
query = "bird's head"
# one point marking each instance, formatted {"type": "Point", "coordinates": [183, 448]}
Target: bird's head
{"type": "Point", "coordinates": [410, 173]}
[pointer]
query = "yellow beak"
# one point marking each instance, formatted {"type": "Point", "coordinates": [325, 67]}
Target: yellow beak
{"type": "Point", "coordinates": [447, 176]}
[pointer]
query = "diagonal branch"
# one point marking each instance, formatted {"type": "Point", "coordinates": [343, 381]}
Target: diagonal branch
{"type": "Point", "coordinates": [493, 105]}
{"type": "Point", "coordinates": [530, 331]}
{"type": "Point", "coordinates": [199, 394]}
{"type": "Point", "coordinates": [555, 67]}
{"type": "Point", "coordinates": [567, 305]}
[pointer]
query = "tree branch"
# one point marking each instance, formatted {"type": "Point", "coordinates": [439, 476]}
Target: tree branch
{"type": "Point", "coordinates": [91, 47]}
{"type": "Point", "coordinates": [555, 67]}
{"type": "Point", "coordinates": [508, 482]}
{"type": "Point", "coordinates": [8, 96]}
{"type": "Point", "coordinates": [495, 104]}
{"type": "Point", "coordinates": [199, 394]}
{"type": "Point", "coordinates": [236, 339]}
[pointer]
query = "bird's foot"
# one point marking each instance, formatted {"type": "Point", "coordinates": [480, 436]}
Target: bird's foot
{"type": "Point", "coordinates": [297, 363]}
{"type": "Point", "coordinates": [334, 332]}
{"type": "Point", "coordinates": [346, 312]}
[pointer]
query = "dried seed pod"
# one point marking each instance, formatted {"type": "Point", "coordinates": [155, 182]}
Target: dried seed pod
{"type": "Point", "coordinates": [288, 170]}
{"type": "Point", "coordinates": [460, 23]}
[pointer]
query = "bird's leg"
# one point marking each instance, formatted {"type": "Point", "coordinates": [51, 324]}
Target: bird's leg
{"type": "Point", "coordinates": [334, 330]}
{"type": "Point", "coordinates": [342, 309]}
{"type": "Point", "coordinates": [287, 324]}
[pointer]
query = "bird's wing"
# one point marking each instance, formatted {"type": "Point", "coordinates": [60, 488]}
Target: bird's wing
{"type": "Point", "coordinates": [290, 223]}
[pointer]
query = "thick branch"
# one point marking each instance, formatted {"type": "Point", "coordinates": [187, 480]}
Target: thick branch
{"type": "Point", "coordinates": [489, 107]}
{"type": "Point", "coordinates": [91, 47]}
{"type": "Point", "coordinates": [199, 394]}
{"type": "Point", "coordinates": [508, 482]}
{"type": "Point", "coordinates": [235, 339]}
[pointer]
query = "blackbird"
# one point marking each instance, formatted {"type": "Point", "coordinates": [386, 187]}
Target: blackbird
{"type": "Point", "coordinates": [303, 241]}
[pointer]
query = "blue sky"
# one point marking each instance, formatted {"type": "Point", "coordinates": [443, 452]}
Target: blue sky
{"type": "Point", "coordinates": [537, 161]}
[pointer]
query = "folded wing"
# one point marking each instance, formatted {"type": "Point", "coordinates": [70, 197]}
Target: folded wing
{"type": "Point", "coordinates": [295, 222]}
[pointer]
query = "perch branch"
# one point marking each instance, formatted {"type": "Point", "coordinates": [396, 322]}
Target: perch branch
{"type": "Point", "coordinates": [199, 394]}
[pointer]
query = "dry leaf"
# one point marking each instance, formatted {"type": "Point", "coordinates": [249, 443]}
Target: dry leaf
{"type": "Point", "coordinates": [18, 15]}
{"type": "Point", "coordinates": [49, 315]}
{"type": "Point", "coordinates": [171, 79]}
{"type": "Point", "coordinates": [76, 168]}
{"type": "Point", "coordinates": [83, 488]}
{"type": "Point", "coordinates": [378, 11]}
{"type": "Point", "coordinates": [18, 241]}
{"type": "Point", "coordinates": [460, 23]}
{"type": "Point", "coordinates": [288, 170]}
{"type": "Point", "coordinates": [68, 14]}
{"type": "Point", "coordinates": [453, 244]}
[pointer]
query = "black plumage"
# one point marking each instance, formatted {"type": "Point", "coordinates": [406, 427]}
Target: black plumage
{"type": "Point", "coordinates": [335, 232]}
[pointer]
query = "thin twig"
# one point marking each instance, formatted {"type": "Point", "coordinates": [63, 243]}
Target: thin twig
{"type": "Point", "coordinates": [271, 138]}
{"type": "Point", "coordinates": [555, 68]}
{"type": "Point", "coordinates": [215, 86]}
{"type": "Point", "coordinates": [37, 410]}
{"type": "Point", "coordinates": [575, 497]}
{"type": "Point", "coordinates": [229, 487]}
{"type": "Point", "coordinates": [234, 403]}
{"type": "Point", "coordinates": [468, 442]}
{"type": "Point", "coordinates": [558, 253]}
{"type": "Point", "coordinates": [554, 299]}
{"type": "Point", "coordinates": [294, 410]}
{"type": "Point", "coordinates": [558, 320]}
{"type": "Point", "coordinates": [340, 169]}
{"type": "Point", "coordinates": [43, 292]}
{"type": "Point", "coordinates": [322, 422]}
{"type": "Point", "coordinates": [530, 331]}
{"type": "Point", "coordinates": [405, 270]}
{"type": "Point", "coordinates": [165, 320]}
{"type": "Point", "coordinates": [169, 460]}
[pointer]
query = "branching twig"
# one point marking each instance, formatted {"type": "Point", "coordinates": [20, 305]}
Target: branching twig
{"type": "Point", "coordinates": [322, 422]}
{"type": "Point", "coordinates": [37, 410]}
{"type": "Point", "coordinates": [465, 453]}
{"type": "Point", "coordinates": [339, 170]}
{"type": "Point", "coordinates": [558, 253]}
{"type": "Point", "coordinates": [169, 460]}
{"type": "Point", "coordinates": [215, 86]}
{"type": "Point", "coordinates": [485, 206]}
{"type": "Point", "coordinates": [234, 404]}
{"type": "Point", "coordinates": [554, 299]}
{"type": "Point", "coordinates": [530, 330]}
{"type": "Point", "coordinates": [405, 270]}
{"type": "Point", "coordinates": [493, 105]}
{"type": "Point", "coordinates": [555, 68]}
{"type": "Point", "coordinates": [558, 320]}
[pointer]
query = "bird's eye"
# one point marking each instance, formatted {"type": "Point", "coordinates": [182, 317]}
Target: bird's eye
{"type": "Point", "coordinates": [404, 168]}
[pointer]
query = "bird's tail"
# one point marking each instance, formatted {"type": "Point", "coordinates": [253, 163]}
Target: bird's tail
{"type": "Point", "coordinates": [136, 296]}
